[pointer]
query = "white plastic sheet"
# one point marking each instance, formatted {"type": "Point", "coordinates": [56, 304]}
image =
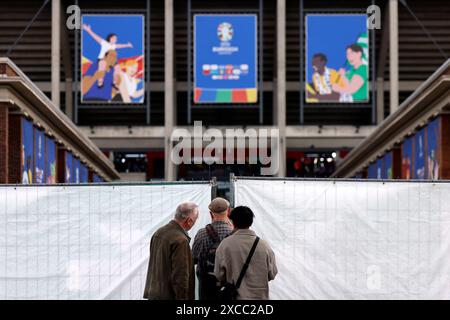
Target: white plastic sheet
{"type": "Point", "coordinates": [354, 239]}
{"type": "Point", "coordinates": [84, 242]}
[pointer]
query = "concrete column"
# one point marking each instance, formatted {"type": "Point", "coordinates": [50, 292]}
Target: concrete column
{"type": "Point", "coordinates": [169, 87]}
{"type": "Point", "coordinates": [281, 83]}
{"type": "Point", "coordinates": [380, 100]}
{"type": "Point", "coordinates": [393, 54]}
{"type": "Point", "coordinates": [274, 98]}
{"type": "Point", "coordinates": [56, 49]}
{"type": "Point", "coordinates": [67, 66]}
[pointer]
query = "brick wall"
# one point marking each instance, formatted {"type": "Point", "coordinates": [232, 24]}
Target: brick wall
{"type": "Point", "coordinates": [7, 70]}
{"type": "Point", "coordinates": [90, 176]}
{"type": "Point", "coordinates": [61, 165]}
{"type": "Point", "coordinates": [397, 163]}
{"type": "Point", "coordinates": [3, 143]}
{"type": "Point", "coordinates": [444, 155]}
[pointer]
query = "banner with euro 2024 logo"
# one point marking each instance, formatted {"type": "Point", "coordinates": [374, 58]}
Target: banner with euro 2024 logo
{"type": "Point", "coordinates": [225, 58]}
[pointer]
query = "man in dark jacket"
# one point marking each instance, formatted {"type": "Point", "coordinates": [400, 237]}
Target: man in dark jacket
{"type": "Point", "coordinates": [170, 273]}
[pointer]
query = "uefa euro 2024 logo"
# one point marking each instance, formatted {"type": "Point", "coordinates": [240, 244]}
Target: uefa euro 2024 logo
{"type": "Point", "coordinates": [225, 34]}
{"type": "Point", "coordinates": [225, 31]}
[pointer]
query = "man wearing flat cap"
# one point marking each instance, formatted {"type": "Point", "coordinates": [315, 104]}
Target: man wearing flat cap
{"type": "Point", "coordinates": [205, 244]}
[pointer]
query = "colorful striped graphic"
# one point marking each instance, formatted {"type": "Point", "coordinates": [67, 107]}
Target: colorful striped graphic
{"type": "Point", "coordinates": [226, 95]}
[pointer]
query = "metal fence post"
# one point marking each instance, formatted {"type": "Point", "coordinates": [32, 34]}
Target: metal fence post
{"type": "Point", "coordinates": [213, 188]}
{"type": "Point", "coordinates": [232, 179]}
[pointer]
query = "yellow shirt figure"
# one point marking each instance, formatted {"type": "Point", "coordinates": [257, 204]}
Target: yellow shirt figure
{"type": "Point", "coordinates": [322, 83]}
{"type": "Point", "coordinates": [323, 79]}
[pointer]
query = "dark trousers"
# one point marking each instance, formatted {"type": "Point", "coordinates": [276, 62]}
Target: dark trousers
{"type": "Point", "coordinates": [207, 287]}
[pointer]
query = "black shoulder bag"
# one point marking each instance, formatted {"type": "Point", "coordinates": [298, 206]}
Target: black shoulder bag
{"type": "Point", "coordinates": [228, 291]}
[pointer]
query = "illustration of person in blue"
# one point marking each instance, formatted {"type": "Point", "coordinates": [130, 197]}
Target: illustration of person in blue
{"type": "Point", "coordinates": [355, 80]}
{"type": "Point", "coordinates": [105, 72]}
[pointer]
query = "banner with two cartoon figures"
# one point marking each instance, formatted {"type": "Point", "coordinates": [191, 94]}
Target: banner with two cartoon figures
{"type": "Point", "coordinates": [112, 59]}
{"type": "Point", "coordinates": [337, 58]}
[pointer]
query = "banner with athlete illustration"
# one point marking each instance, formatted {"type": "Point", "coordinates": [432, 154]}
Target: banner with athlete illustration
{"type": "Point", "coordinates": [112, 59]}
{"type": "Point", "coordinates": [337, 58]}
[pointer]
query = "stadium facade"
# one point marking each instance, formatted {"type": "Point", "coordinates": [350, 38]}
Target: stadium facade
{"type": "Point", "coordinates": [314, 137]}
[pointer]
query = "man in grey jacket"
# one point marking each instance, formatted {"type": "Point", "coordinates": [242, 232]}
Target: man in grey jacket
{"type": "Point", "coordinates": [233, 252]}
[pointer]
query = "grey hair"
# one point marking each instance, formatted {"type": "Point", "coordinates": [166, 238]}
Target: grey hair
{"type": "Point", "coordinates": [184, 210]}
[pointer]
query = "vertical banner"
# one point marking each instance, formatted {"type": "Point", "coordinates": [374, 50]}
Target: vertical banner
{"type": "Point", "coordinates": [39, 159]}
{"type": "Point", "coordinates": [372, 171]}
{"type": "Point", "coordinates": [83, 173]}
{"type": "Point", "coordinates": [419, 155]}
{"type": "Point", "coordinates": [112, 59]}
{"type": "Point", "coordinates": [387, 172]}
{"type": "Point", "coordinates": [27, 166]}
{"type": "Point", "coordinates": [76, 170]}
{"type": "Point", "coordinates": [433, 145]}
{"type": "Point", "coordinates": [380, 168]}
{"type": "Point", "coordinates": [225, 58]}
{"type": "Point", "coordinates": [337, 58]}
{"type": "Point", "coordinates": [69, 166]}
{"type": "Point", "coordinates": [50, 170]}
{"type": "Point", "coordinates": [407, 158]}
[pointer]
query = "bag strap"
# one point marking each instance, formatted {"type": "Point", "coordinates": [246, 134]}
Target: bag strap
{"type": "Point", "coordinates": [212, 233]}
{"type": "Point", "coordinates": [247, 263]}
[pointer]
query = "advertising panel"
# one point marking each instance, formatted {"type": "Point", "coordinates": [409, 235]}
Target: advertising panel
{"type": "Point", "coordinates": [27, 156]}
{"type": "Point", "coordinates": [39, 160]}
{"type": "Point", "coordinates": [337, 58]}
{"type": "Point", "coordinates": [76, 170]}
{"type": "Point", "coordinates": [433, 143]}
{"type": "Point", "coordinates": [419, 155]}
{"type": "Point", "coordinates": [407, 158]}
{"type": "Point", "coordinates": [50, 171]}
{"type": "Point", "coordinates": [112, 59]}
{"type": "Point", "coordinates": [387, 166]}
{"type": "Point", "coordinates": [69, 167]}
{"type": "Point", "coordinates": [225, 58]}
{"type": "Point", "coordinates": [372, 170]}
{"type": "Point", "coordinates": [83, 173]}
{"type": "Point", "coordinates": [380, 168]}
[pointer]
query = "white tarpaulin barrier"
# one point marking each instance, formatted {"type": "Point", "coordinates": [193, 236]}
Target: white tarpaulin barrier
{"type": "Point", "coordinates": [85, 242]}
{"type": "Point", "coordinates": [353, 239]}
